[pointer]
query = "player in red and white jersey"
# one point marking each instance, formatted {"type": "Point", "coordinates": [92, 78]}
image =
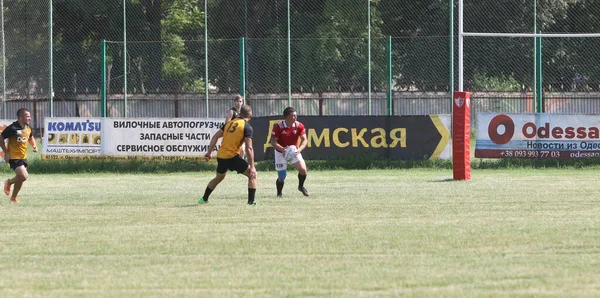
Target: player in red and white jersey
{"type": "Point", "coordinates": [284, 140]}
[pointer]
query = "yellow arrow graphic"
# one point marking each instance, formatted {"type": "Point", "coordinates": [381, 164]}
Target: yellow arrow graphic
{"type": "Point", "coordinates": [443, 132]}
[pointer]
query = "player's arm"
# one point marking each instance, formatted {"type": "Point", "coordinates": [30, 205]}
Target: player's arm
{"type": "Point", "coordinates": [303, 139]}
{"type": "Point", "coordinates": [213, 143]}
{"type": "Point", "coordinates": [6, 133]}
{"type": "Point", "coordinates": [248, 132]}
{"type": "Point", "coordinates": [276, 145]}
{"type": "Point", "coordinates": [229, 116]}
{"type": "Point", "coordinates": [4, 149]}
{"type": "Point", "coordinates": [303, 143]}
{"type": "Point", "coordinates": [32, 143]}
{"type": "Point", "coordinates": [249, 151]}
{"type": "Point", "coordinates": [275, 138]}
{"type": "Point", "coordinates": [250, 156]}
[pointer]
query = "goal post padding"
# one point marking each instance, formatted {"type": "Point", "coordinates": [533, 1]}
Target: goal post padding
{"type": "Point", "coordinates": [461, 136]}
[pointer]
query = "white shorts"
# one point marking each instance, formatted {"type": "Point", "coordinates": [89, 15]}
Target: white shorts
{"type": "Point", "coordinates": [281, 163]}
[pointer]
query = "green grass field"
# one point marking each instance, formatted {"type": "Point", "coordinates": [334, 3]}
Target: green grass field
{"type": "Point", "coordinates": [361, 233]}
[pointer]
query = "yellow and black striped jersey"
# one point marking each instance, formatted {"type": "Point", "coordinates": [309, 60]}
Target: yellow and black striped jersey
{"type": "Point", "coordinates": [18, 137]}
{"type": "Point", "coordinates": [234, 133]}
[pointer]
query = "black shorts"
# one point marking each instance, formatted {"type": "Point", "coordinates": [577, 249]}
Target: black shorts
{"type": "Point", "coordinates": [235, 163]}
{"type": "Point", "coordinates": [15, 163]}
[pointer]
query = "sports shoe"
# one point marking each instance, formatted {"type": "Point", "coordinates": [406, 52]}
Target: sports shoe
{"type": "Point", "coordinates": [14, 200]}
{"type": "Point", "coordinates": [6, 187]}
{"type": "Point", "coordinates": [251, 204]}
{"type": "Point", "coordinates": [279, 195]}
{"type": "Point", "coordinates": [303, 190]}
{"type": "Point", "coordinates": [202, 201]}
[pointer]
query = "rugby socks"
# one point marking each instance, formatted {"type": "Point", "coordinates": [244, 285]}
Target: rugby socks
{"type": "Point", "coordinates": [301, 179]}
{"type": "Point", "coordinates": [279, 185]}
{"type": "Point", "coordinates": [251, 193]}
{"type": "Point", "coordinates": [207, 193]}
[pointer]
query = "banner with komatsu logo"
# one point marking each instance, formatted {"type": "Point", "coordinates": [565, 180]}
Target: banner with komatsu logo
{"type": "Point", "coordinates": [390, 137]}
{"type": "Point", "coordinates": [537, 136]}
{"type": "Point", "coordinates": [127, 137]}
{"type": "Point", "coordinates": [72, 137]}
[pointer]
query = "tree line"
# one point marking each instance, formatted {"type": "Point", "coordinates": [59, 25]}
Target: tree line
{"type": "Point", "coordinates": [329, 44]}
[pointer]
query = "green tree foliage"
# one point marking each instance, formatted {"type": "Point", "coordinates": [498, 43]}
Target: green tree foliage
{"type": "Point", "coordinates": [483, 82]}
{"type": "Point", "coordinates": [572, 64]}
{"type": "Point", "coordinates": [26, 45]}
{"type": "Point", "coordinates": [182, 60]}
{"type": "Point", "coordinates": [420, 42]}
{"type": "Point", "coordinates": [341, 53]}
{"type": "Point", "coordinates": [328, 47]}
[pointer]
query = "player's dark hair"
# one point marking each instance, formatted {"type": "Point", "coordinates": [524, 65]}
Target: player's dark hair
{"type": "Point", "coordinates": [21, 112]}
{"type": "Point", "coordinates": [245, 111]}
{"type": "Point", "coordinates": [288, 111]}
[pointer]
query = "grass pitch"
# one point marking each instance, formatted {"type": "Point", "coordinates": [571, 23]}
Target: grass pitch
{"type": "Point", "coordinates": [361, 233]}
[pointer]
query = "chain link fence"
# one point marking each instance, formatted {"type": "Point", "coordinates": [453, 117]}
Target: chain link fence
{"type": "Point", "coordinates": [570, 77]}
{"type": "Point", "coordinates": [331, 57]}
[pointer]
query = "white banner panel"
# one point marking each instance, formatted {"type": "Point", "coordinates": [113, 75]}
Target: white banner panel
{"type": "Point", "coordinates": [540, 136]}
{"type": "Point", "coordinates": [176, 137]}
{"type": "Point", "coordinates": [71, 137]}
{"type": "Point", "coordinates": [128, 137]}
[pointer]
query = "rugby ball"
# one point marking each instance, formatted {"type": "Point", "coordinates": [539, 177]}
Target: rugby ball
{"type": "Point", "coordinates": [290, 153]}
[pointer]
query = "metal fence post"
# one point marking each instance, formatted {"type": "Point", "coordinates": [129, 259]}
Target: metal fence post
{"type": "Point", "coordinates": [243, 68]}
{"type": "Point", "coordinates": [103, 78]}
{"type": "Point", "coordinates": [538, 80]}
{"type": "Point", "coordinates": [390, 92]}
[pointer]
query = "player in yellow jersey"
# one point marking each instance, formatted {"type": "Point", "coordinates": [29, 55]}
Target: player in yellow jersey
{"type": "Point", "coordinates": [18, 134]}
{"type": "Point", "coordinates": [235, 133]}
{"type": "Point", "coordinates": [234, 112]}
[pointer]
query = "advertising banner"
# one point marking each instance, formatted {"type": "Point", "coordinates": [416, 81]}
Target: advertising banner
{"type": "Point", "coordinates": [175, 137]}
{"type": "Point", "coordinates": [72, 137]}
{"type": "Point", "coordinates": [127, 137]}
{"type": "Point", "coordinates": [537, 136]}
{"type": "Point", "coordinates": [389, 137]}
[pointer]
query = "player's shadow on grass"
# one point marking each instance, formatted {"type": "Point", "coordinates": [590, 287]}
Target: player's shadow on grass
{"type": "Point", "coordinates": [444, 180]}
